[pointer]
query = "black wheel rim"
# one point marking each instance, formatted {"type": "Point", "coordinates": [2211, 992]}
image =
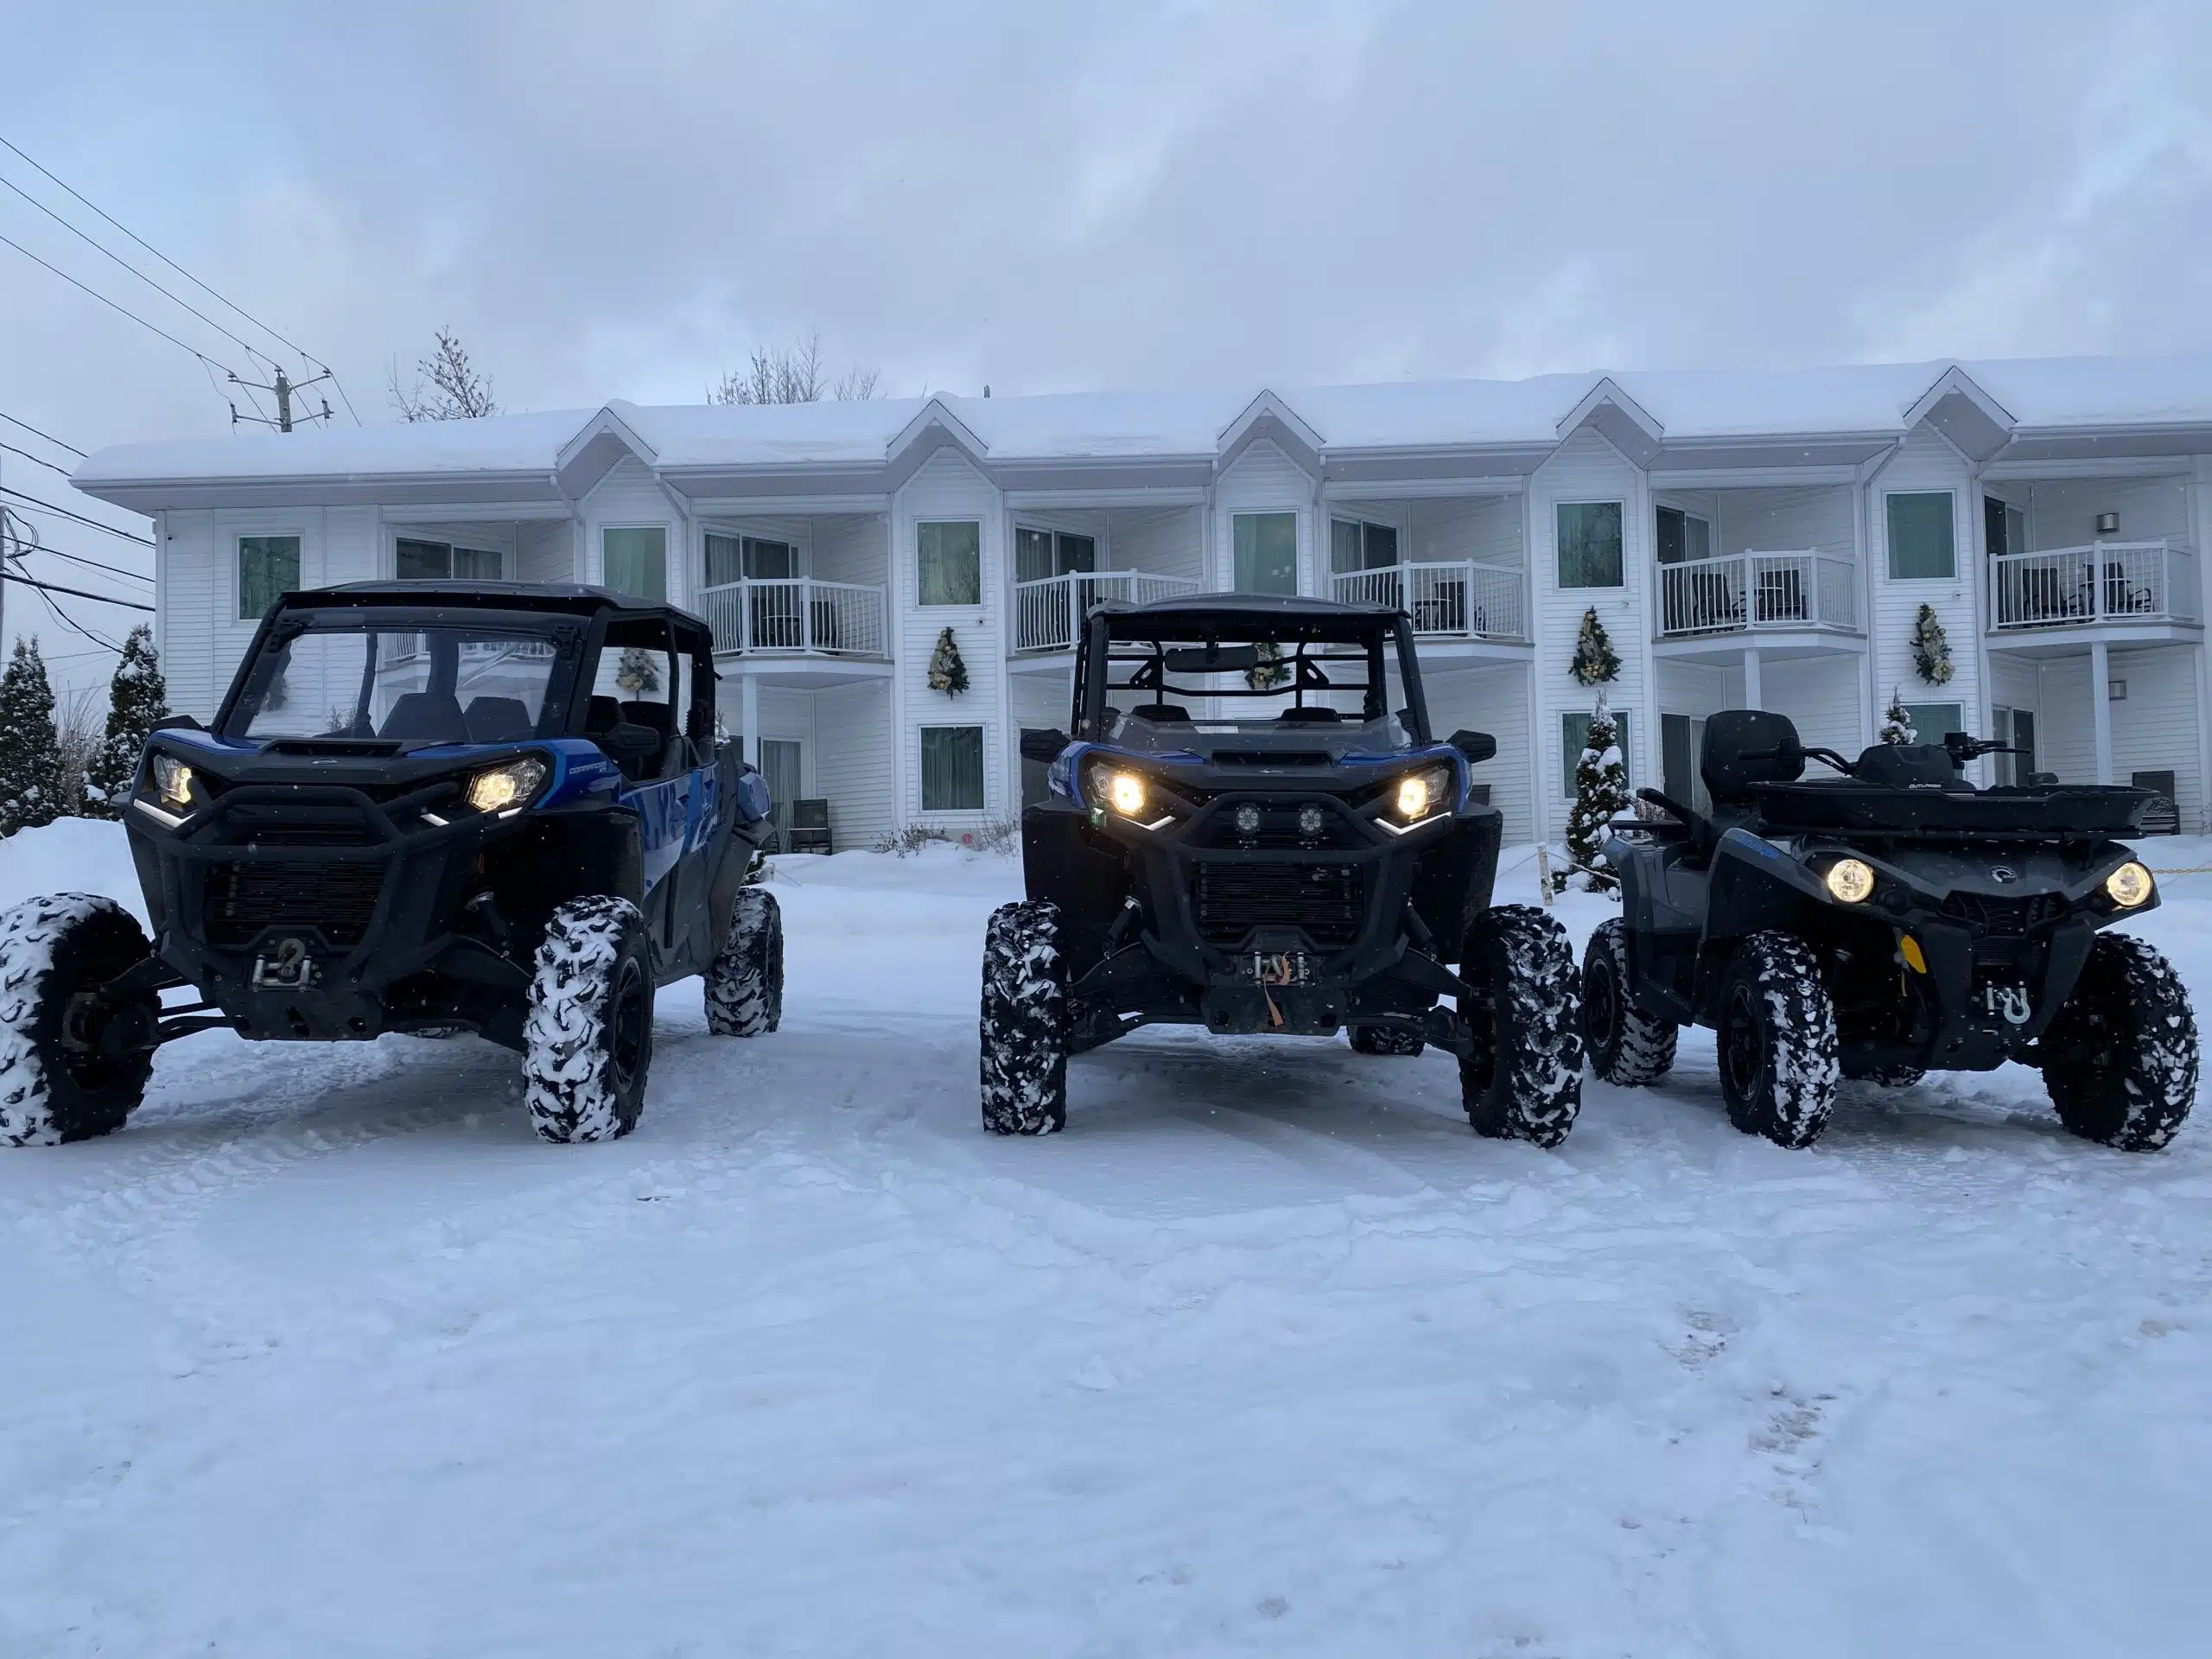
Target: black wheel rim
{"type": "Point", "coordinates": [627, 1022]}
{"type": "Point", "coordinates": [1741, 1047]}
{"type": "Point", "coordinates": [1600, 1003]}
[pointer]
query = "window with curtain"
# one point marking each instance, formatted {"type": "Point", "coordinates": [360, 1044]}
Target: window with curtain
{"type": "Point", "coordinates": [1575, 737]}
{"type": "Point", "coordinates": [949, 562]}
{"type": "Point", "coordinates": [1357, 544]}
{"type": "Point", "coordinates": [1922, 544]}
{"type": "Point", "coordinates": [952, 768]}
{"type": "Point", "coordinates": [760, 558]}
{"type": "Point", "coordinates": [1038, 554]}
{"type": "Point", "coordinates": [268, 566]}
{"type": "Point", "coordinates": [1265, 546]}
{"type": "Point", "coordinates": [635, 561]}
{"type": "Point", "coordinates": [416, 560]}
{"type": "Point", "coordinates": [1589, 544]}
{"type": "Point", "coordinates": [1683, 535]}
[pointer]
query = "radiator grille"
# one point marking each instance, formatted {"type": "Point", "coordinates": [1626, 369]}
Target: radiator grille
{"type": "Point", "coordinates": [336, 899]}
{"type": "Point", "coordinates": [1325, 900]}
{"type": "Point", "coordinates": [2013, 918]}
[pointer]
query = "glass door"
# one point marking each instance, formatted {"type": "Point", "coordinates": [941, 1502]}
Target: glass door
{"type": "Point", "coordinates": [780, 766]}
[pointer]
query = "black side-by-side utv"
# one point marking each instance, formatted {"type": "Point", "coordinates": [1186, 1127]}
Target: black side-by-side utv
{"type": "Point", "coordinates": [1887, 921]}
{"type": "Point", "coordinates": [1316, 863]}
{"type": "Point", "coordinates": [423, 807]}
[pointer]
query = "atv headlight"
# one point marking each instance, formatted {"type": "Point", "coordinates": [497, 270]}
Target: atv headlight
{"type": "Point", "coordinates": [1106, 785]}
{"type": "Point", "coordinates": [1420, 794]}
{"type": "Point", "coordinates": [173, 780]}
{"type": "Point", "coordinates": [2129, 885]}
{"type": "Point", "coordinates": [505, 786]}
{"type": "Point", "coordinates": [1851, 879]}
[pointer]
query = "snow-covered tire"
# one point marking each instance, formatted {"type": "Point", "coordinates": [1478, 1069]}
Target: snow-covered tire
{"type": "Point", "coordinates": [588, 1039]}
{"type": "Point", "coordinates": [1024, 1020]}
{"type": "Point", "coordinates": [1626, 1046]}
{"type": "Point", "coordinates": [52, 1088]}
{"type": "Point", "coordinates": [1386, 1040]}
{"type": "Point", "coordinates": [1777, 1041]}
{"type": "Point", "coordinates": [1523, 1078]}
{"type": "Point", "coordinates": [2120, 1058]}
{"type": "Point", "coordinates": [745, 983]}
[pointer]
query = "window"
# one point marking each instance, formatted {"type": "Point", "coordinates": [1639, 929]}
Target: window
{"type": "Point", "coordinates": [1356, 545]}
{"type": "Point", "coordinates": [635, 561]}
{"type": "Point", "coordinates": [782, 768]}
{"type": "Point", "coordinates": [268, 566]}
{"type": "Point", "coordinates": [637, 681]}
{"type": "Point", "coordinates": [1041, 553]}
{"type": "Point", "coordinates": [2004, 527]}
{"type": "Point", "coordinates": [1930, 720]}
{"type": "Point", "coordinates": [949, 562]}
{"type": "Point", "coordinates": [1589, 544]}
{"type": "Point", "coordinates": [1921, 546]}
{"type": "Point", "coordinates": [1681, 746]}
{"type": "Point", "coordinates": [1683, 535]}
{"type": "Point", "coordinates": [1574, 736]}
{"type": "Point", "coordinates": [446, 683]}
{"type": "Point", "coordinates": [952, 768]}
{"type": "Point", "coordinates": [421, 560]}
{"type": "Point", "coordinates": [757, 559]}
{"type": "Point", "coordinates": [1266, 548]}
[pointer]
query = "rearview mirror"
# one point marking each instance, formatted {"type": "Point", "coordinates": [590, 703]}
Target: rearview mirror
{"type": "Point", "coordinates": [1211, 659]}
{"type": "Point", "coordinates": [1042, 745]}
{"type": "Point", "coordinates": [1478, 747]}
{"type": "Point", "coordinates": [626, 740]}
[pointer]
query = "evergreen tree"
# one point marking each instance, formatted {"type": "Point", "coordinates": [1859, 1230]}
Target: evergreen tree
{"type": "Point", "coordinates": [1600, 796]}
{"type": "Point", "coordinates": [30, 753]}
{"type": "Point", "coordinates": [1595, 659]}
{"type": "Point", "coordinates": [137, 698]}
{"type": "Point", "coordinates": [1896, 724]}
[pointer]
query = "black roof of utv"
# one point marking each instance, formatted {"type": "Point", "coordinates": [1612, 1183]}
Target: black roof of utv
{"type": "Point", "coordinates": [1325, 619]}
{"type": "Point", "coordinates": [573, 597]}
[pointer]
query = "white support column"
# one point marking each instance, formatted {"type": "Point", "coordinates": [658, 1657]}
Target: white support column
{"type": "Point", "coordinates": [2101, 706]}
{"type": "Point", "coordinates": [1751, 678]}
{"type": "Point", "coordinates": [749, 714]}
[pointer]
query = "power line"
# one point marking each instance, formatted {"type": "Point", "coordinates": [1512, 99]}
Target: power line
{"type": "Point", "coordinates": [38, 460]}
{"type": "Point", "coordinates": [33, 430]}
{"type": "Point", "coordinates": [231, 304]}
{"type": "Point", "coordinates": [94, 524]}
{"type": "Point", "coordinates": [112, 306]}
{"type": "Point", "coordinates": [69, 621]}
{"type": "Point", "coordinates": [74, 593]}
{"type": "Point", "coordinates": [78, 558]}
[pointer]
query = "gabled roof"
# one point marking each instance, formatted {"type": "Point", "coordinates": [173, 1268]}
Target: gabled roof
{"type": "Point", "coordinates": [1974, 421]}
{"type": "Point", "coordinates": [1617, 418]}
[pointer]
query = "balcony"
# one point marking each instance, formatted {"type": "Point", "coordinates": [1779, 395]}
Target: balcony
{"type": "Point", "coordinates": [1749, 593]}
{"type": "Point", "coordinates": [2102, 582]}
{"type": "Point", "coordinates": [1456, 600]}
{"type": "Point", "coordinates": [1048, 612]}
{"type": "Point", "coordinates": [797, 616]}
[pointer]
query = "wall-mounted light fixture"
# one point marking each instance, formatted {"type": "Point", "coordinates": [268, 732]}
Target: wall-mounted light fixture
{"type": "Point", "coordinates": [2116, 690]}
{"type": "Point", "coordinates": [2107, 522]}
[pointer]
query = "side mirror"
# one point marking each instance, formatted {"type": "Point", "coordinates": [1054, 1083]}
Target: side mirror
{"type": "Point", "coordinates": [1042, 745]}
{"type": "Point", "coordinates": [626, 740]}
{"type": "Point", "coordinates": [1478, 747]}
{"type": "Point", "coordinates": [177, 723]}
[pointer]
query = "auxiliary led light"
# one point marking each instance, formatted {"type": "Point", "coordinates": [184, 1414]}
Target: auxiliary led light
{"type": "Point", "coordinates": [1851, 879]}
{"type": "Point", "coordinates": [1309, 821]}
{"type": "Point", "coordinates": [1247, 819]}
{"type": "Point", "coordinates": [2129, 885]}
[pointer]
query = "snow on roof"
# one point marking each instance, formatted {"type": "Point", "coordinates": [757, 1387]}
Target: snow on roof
{"type": "Point", "coordinates": [1686, 404]}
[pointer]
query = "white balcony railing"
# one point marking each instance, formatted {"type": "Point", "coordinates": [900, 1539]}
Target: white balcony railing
{"type": "Point", "coordinates": [2104, 582]}
{"type": "Point", "coordinates": [831, 619]}
{"type": "Point", "coordinates": [1048, 612]}
{"type": "Point", "coordinates": [1460, 599]}
{"type": "Point", "coordinates": [1742, 592]}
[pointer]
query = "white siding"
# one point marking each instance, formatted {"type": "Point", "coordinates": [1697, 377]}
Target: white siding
{"type": "Point", "coordinates": [545, 551]}
{"type": "Point", "coordinates": [631, 495]}
{"type": "Point", "coordinates": [2066, 741]}
{"type": "Point", "coordinates": [947, 488]}
{"type": "Point", "coordinates": [192, 596]}
{"type": "Point", "coordinates": [1587, 468]}
{"type": "Point", "coordinates": [1924, 461]}
{"type": "Point", "coordinates": [851, 547]}
{"type": "Point", "coordinates": [1483, 528]}
{"type": "Point", "coordinates": [1821, 697]}
{"type": "Point", "coordinates": [1042, 699]}
{"type": "Point", "coordinates": [1493, 700]}
{"type": "Point", "coordinates": [1166, 541]}
{"type": "Point", "coordinates": [1263, 480]}
{"type": "Point", "coordinates": [1787, 521]}
{"type": "Point", "coordinates": [851, 764]}
{"type": "Point", "coordinates": [2154, 727]}
{"type": "Point", "coordinates": [2062, 513]}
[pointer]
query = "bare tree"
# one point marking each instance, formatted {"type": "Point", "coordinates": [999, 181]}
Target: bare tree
{"type": "Point", "coordinates": [80, 730]}
{"type": "Point", "coordinates": [446, 386]}
{"type": "Point", "coordinates": [790, 374]}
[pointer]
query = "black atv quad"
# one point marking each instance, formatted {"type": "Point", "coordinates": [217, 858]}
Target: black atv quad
{"type": "Point", "coordinates": [1313, 863]}
{"type": "Point", "coordinates": [421, 807]}
{"type": "Point", "coordinates": [1887, 921]}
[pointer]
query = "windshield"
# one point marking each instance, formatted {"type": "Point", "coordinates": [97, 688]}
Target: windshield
{"type": "Point", "coordinates": [1291, 675]}
{"type": "Point", "coordinates": [443, 683]}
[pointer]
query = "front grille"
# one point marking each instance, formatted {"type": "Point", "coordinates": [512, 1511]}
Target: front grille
{"type": "Point", "coordinates": [1324, 900]}
{"type": "Point", "coordinates": [245, 897]}
{"type": "Point", "coordinates": [2012, 918]}
{"type": "Point", "coordinates": [351, 833]}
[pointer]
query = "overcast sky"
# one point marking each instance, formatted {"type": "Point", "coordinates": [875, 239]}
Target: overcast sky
{"type": "Point", "coordinates": [620, 201]}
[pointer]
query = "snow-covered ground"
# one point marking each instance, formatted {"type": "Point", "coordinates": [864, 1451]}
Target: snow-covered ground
{"type": "Point", "coordinates": [324, 1353]}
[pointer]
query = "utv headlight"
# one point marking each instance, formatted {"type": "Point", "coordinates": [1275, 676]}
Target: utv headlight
{"type": "Point", "coordinates": [1117, 787]}
{"type": "Point", "coordinates": [1850, 880]}
{"type": "Point", "coordinates": [505, 786]}
{"type": "Point", "coordinates": [2129, 885]}
{"type": "Point", "coordinates": [1420, 794]}
{"type": "Point", "coordinates": [173, 780]}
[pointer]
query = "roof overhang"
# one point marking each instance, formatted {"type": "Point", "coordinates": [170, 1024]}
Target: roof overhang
{"type": "Point", "coordinates": [1782, 451]}
{"type": "Point", "coordinates": [1267, 417]}
{"type": "Point", "coordinates": [604, 442]}
{"type": "Point", "coordinates": [1976, 424]}
{"type": "Point", "coordinates": [2102, 443]}
{"type": "Point", "coordinates": [1443, 465]}
{"type": "Point", "coordinates": [152, 495]}
{"type": "Point", "coordinates": [1617, 418]}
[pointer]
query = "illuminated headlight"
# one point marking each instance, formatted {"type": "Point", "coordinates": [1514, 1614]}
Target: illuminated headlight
{"type": "Point", "coordinates": [2129, 885]}
{"type": "Point", "coordinates": [1108, 785]}
{"type": "Point", "coordinates": [173, 780]}
{"type": "Point", "coordinates": [1420, 794]}
{"type": "Point", "coordinates": [1247, 819]}
{"type": "Point", "coordinates": [508, 785]}
{"type": "Point", "coordinates": [1850, 880]}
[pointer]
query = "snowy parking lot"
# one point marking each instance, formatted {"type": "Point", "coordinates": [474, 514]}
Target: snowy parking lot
{"type": "Point", "coordinates": [324, 1353]}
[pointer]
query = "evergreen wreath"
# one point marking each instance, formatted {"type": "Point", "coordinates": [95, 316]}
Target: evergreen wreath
{"type": "Point", "coordinates": [1595, 659]}
{"type": "Point", "coordinates": [635, 673]}
{"type": "Point", "coordinates": [948, 673]}
{"type": "Point", "coordinates": [1270, 671]}
{"type": "Point", "coordinates": [1931, 651]}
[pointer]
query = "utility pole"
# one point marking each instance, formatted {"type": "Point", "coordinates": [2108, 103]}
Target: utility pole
{"type": "Point", "coordinates": [284, 389]}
